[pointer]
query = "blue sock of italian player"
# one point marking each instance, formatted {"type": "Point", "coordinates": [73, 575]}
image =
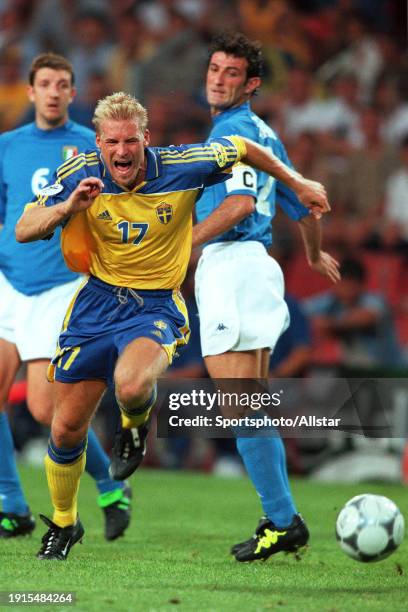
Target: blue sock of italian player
{"type": "Point", "coordinates": [263, 459]}
{"type": "Point", "coordinates": [97, 465]}
{"type": "Point", "coordinates": [10, 487]}
{"type": "Point", "coordinates": [283, 463]}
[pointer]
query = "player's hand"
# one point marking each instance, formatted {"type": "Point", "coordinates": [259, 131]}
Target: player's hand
{"type": "Point", "coordinates": [84, 194]}
{"type": "Point", "coordinates": [313, 195]}
{"type": "Point", "coordinates": [328, 266]}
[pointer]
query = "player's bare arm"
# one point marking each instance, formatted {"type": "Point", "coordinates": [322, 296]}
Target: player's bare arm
{"type": "Point", "coordinates": [39, 221]}
{"type": "Point", "coordinates": [231, 211]}
{"type": "Point", "coordinates": [311, 193]}
{"type": "Point", "coordinates": [319, 260]}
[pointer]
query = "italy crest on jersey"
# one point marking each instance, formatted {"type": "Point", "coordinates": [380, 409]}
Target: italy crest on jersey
{"type": "Point", "coordinates": [164, 212]}
{"type": "Point", "coordinates": [69, 151]}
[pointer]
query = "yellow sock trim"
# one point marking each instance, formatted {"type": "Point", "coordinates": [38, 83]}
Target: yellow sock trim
{"type": "Point", "coordinates": [63, 484]}
{"type": "Point", "coordinates": [135, 421]}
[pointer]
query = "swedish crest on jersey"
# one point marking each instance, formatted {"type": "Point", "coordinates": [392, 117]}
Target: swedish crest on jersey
{"type": "Point", "coordinates": [164, 212]}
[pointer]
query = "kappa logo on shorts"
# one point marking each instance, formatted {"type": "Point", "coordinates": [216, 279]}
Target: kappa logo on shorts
{"type": "Point", "coordinates": [157, 333]}
{"type": "Point", "coordinates": [104, 216]}
{"type": "Point", "coordinates": [164, 212]}
{"type": "Point", "coordinates": [221, 327]}
{"type": "Point", "coordinates": [160, 324]}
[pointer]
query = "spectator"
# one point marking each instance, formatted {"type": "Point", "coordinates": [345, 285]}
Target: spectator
{"type": "Point", "coordinates": [92, 48]}
{"type": "Point", "coordinates": [134, 48]}
{"type": "Point", "coordinates": [362, 56]}
{"type": "Point", "coordinates": [302, 112]}
{"type": "Point", "coordinates": [292, 353]}
{"type": "Point", "coordinates": [365, 174]}
{"type": "Point", "coordinates": [13, 89]}
{"type": "Point", "coordinates": [184, 47]}
{"type": "Point", "coordinates": [97, 88]}
{"type": "Point", "coordinates": [359, 320]}
{"type": "Point", "coordinates": [395, 233]}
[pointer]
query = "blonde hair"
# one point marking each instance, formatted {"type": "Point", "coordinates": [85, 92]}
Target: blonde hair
{"type": "Point", "coordinates": [119, 106]}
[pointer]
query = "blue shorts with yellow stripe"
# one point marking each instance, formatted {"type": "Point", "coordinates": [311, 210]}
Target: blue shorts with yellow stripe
{"type": "Point", "coordinates": [103, 319]}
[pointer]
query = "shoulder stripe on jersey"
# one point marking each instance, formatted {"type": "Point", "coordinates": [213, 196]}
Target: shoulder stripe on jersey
{"type": "Point", "coordinates": [75, 160]}
{"type": "Point", "coordinates": [77, 167]}
{"type": "Point", "coordinates": [195, 151]}
{"type": "Point", "coordinates": [70, 162]}
{"type": "Point", "coordinates": [61, 172]}
{"type": "Point", "coordinates": [176, 151]}
{"type": "Point", "coordinates": [209, 151]}
{"type": "Point", "coordinates": [187, 153]}
{"type": "Point", "coordinates": [191, 160]}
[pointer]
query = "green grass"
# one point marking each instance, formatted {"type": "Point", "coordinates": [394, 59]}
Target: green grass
{"type": "Point", "coordinates": [175, 555]}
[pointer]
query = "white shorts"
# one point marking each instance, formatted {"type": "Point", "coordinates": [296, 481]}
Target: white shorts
{"type": "Point", "coordinates": [33, 322]}
{"type": "Point", "coordinates": [239, 293]}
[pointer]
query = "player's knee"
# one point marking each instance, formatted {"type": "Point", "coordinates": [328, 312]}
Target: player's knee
{"type": "Point", "coordinates": [42, 413]}
{"type": "Point", "coordinates": [130, 392]}
{"type": "Point", "coordinates": [67, 434]}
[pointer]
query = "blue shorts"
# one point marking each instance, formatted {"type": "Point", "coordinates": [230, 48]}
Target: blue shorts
{"type": "Point", "coordinates": [103, 319]}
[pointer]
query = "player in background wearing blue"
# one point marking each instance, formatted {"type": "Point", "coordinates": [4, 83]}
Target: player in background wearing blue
{"type": "Point", "coordinates": [126, 213]}
{"type": "Point", "coordinates": [240, 288]}
{"type": "Point", "coordinates": [36, 287]}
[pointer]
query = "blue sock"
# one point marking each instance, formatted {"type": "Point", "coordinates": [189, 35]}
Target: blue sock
{"type": "Point", "coordinates": [63, 455]}
{"type": "Point", "coordinates": [10, 486]}
{"type": "Point", "coordinates": [283, 463]}
{"type": "Point", "coordinates": [264, 459]}
{"type": "Point", "coordinates": [97, 465]}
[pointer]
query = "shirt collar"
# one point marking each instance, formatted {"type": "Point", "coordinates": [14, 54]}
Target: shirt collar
{"type": "Point", "coordinates": [229, 112]}
{"type": "Point", "coordinates": [153, 165]}
{"type": "Point", "coordinates": [65, 127]}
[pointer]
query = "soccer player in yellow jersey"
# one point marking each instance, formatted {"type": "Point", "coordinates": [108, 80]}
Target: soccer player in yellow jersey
{"type": "Point", "coordinates": [126, 216]}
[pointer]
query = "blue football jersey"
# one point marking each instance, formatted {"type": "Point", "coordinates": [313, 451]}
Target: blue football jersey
{"type": "Point", "coordinates": [248, 181]}
{"type": "Point", "coordinates": [28, 158]}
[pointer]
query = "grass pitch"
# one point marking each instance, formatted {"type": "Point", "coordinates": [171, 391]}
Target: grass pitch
{"type": "Point", "coordinates": [175, 554]}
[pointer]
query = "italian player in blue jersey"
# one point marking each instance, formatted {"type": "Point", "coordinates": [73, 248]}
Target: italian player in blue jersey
{"type": "Point", "coordinates": [126, 213]}
{"type": "Point", "coordinates": [36, 287]}
{"type": "Point", "coordinates": [241, 327]}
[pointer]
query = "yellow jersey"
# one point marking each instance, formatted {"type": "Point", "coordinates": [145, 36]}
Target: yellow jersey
{"type": "Point", "coordinates": [140, 238]}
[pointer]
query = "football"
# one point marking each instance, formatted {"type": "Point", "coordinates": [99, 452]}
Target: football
{"type": "Point", "coordinates": [369, 527]}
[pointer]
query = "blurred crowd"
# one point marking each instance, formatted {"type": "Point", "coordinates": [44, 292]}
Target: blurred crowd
{"type": "Point", "coordinates": [336, 90]}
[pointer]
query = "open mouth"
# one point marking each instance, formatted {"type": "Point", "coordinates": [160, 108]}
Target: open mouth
{"type": "Point", "coordinates": [122, 166]}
